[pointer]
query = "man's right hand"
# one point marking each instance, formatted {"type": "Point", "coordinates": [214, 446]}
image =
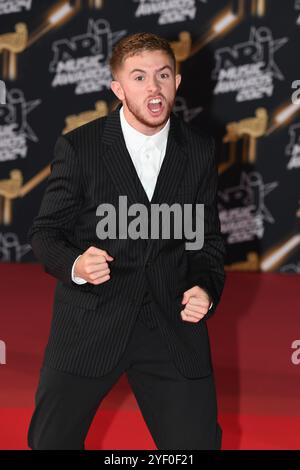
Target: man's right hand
{"type": "Point", "coordinates": [92, 266]}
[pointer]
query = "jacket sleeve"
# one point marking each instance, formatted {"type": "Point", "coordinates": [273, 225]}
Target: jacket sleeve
{"type": "Point", "coordinates": [206, 266]}
{"type": "Point", "coordinates": [52, 228]}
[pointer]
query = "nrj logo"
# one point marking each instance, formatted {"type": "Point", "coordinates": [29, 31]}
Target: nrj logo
{"type": "Point", "coordinates": [163, 218]}
{"type": "Point", "coordinates": [14, 6]}
{"type": "Point", "coordinates": [169, 11]}
{"type": "Point", "coordinates": [83, 59]}
{"type": "Point", "coordinates": [14, 127]}
{"type": "Point", "coordinates": [11, 249]}
{"type": "Point", "coordinates": [296, 94]}
{"type": "Point", "coordinates": [248, 68]}
{"type": "Point", "coordinates": [2, 352]}
{"type": "Point", "coordinates": [293, 148]}
{"type": "Point", "coordinates": [242, 208]}
{"type": "Point", "coordinates": [297, 8]}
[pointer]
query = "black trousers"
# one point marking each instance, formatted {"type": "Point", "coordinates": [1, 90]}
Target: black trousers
{"type": "Point", "coordinates": [180, 413]}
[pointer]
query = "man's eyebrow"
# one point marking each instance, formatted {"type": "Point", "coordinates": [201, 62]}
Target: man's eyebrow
{"type": "Point", "coordinates": [159, 70]}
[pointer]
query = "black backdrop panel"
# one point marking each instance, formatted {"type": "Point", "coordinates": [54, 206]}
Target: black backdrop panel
{"type": "Point", "coordinates": [238, 60]}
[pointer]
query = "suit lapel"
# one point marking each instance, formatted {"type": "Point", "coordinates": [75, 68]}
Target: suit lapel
{"type": "Point", "coordinates": [118, 161]}
{"type": "Point", "coordinates": [123, 173]}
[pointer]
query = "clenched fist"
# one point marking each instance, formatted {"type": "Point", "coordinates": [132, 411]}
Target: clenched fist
{"type": "Point", "coordinates": [197, 303]}
{"type": "Point", "coordinates": [92, 266]}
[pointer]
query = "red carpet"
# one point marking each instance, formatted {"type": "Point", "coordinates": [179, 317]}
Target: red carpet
{"type": "Point", "coordinates": [251, 337]}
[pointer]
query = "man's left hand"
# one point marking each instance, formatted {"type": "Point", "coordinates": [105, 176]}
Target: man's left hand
{"type": "Point", "coordinates": [197, 302]}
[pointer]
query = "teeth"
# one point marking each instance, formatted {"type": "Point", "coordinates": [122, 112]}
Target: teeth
{"type": "Point", "coordinates": [155, 101]}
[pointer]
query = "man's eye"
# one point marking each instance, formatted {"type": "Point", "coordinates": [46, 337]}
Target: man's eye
{"type": "Point", "coordinates": [164, 75]}
{"type": "Point", "coordinates": [139, 78]}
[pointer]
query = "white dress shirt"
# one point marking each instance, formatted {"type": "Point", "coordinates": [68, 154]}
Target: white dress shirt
{"type": "Point", "coordinates": [147, 152]}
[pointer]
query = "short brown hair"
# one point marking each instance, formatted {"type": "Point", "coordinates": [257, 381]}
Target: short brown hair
{"type": "Point", "coordinates": [135, 44]}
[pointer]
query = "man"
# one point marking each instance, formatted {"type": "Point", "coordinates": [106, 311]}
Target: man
{"type": "Point", "coordinates": [130, 304]}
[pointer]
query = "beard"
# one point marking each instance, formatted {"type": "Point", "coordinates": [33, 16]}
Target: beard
{"type": "Point", "coordinates": [141, 116]}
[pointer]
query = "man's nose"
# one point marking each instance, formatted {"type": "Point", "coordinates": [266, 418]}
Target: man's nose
{"type": "Point", "coordinates": [153, 85]}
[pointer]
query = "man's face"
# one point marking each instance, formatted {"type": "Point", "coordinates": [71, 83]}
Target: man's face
{"type": "Point", "coordinates": [146, 84]}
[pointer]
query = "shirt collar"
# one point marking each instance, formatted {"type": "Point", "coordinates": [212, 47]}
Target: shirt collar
{"type": "Point", "coordinates": [135, 139]}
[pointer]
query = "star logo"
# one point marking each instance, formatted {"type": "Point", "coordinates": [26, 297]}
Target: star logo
{"type": "Point", "coordinates": [251, 191]}
{"type": "Point", "coordinates": [180, 109]}
{"type": "Point", "coordinates": [16, 112]}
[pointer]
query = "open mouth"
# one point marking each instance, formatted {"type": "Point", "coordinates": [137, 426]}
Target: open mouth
{"type": "Point", "coordinates": [155, 106]}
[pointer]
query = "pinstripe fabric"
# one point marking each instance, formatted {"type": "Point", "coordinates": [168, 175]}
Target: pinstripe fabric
{"type": "Point", "coordinates": [91, 324]}
{"type": "Point", "coordinates": [147, 314]}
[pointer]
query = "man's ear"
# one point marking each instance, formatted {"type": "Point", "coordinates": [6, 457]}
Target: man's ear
{"type": "Point", "coordinates": [177, 80]}
{"type": "Point", "coordinates": [117, 89]}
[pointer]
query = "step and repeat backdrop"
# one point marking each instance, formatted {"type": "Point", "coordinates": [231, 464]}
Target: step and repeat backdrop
{"type": "Point", "coordinates": [241, 81]}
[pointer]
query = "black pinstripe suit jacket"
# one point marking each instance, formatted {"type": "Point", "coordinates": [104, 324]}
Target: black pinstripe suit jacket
{"type": "Point", "coordinates": [91, 324]}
